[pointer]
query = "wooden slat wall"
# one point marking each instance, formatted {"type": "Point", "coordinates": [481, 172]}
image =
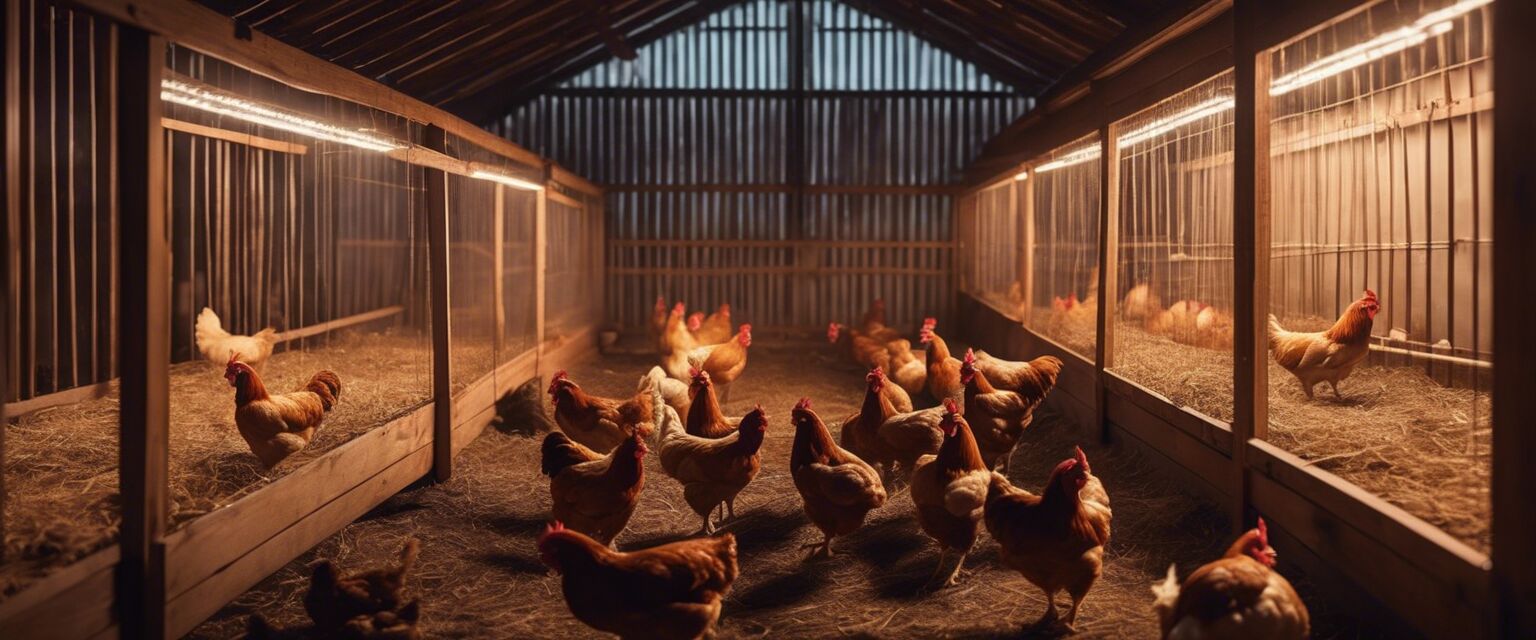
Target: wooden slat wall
{"type": "Point", "coordinates": [63, 319]}
{"type": "Point", "coordinates": [796, 197]}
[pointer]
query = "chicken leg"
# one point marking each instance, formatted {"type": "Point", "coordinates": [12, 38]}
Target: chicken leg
{"type": "Point", "coordinates": [820, 548]}
{"type": "Point", "coordinates": [1335, 385]}
{"type": "Point", "coordinates": [1047, 619]}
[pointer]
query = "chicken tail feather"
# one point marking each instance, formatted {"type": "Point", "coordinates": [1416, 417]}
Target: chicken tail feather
{"type": "Point", "coordinates": [1274, 327]}
{"type": "Point", "coordinates": [327, 385]}
{"type": "Point", "coordinates": [1166, 596]}
{"type": "Point", "coordinates": [209, 330]}
{"type": "Point", "coordinates": [408, 555]}
{"type": "Point", "coordinates": [559, 452]}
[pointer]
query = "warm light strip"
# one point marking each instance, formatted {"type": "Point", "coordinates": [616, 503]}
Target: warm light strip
{"type": "Point", "coordinates": [218, 102]}
{"type": "Point", "coordinates": [1431, 24]}
{"type": "Point", "coordinates": [1159, 127]}
{"type": "Point", "coordinates": [1084, 154]}
{"type": "Point", "coordinates": [1022, 175]}
{"type": "Point", "coordinates": [505, 179]}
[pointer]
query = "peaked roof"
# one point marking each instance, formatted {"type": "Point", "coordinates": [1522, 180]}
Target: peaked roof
{"type": "Point", "coordinates": [482, 57]}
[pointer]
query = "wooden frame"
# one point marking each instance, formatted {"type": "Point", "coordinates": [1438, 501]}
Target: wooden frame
{"type": "Point", "coordinates": [1416, 574]}
{"type": "Point", "coordinates": [1109, 256]}
{"type": "Point", "coordinates": [155, 584]}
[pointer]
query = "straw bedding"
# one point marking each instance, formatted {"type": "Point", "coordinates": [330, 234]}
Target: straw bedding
{"type": "Point", "coordinates": [61, 463]}
{"type": "Point", "coordinates": [1397, 433]}
{"type": "Point", "coordinates": [479, 574]}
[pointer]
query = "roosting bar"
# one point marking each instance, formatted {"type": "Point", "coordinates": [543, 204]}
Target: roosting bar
{"type": "Point", "coordinates": [1260, 237]}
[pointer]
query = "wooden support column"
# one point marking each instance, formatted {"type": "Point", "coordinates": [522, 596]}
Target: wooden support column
{"type": "Point", "coordinates": [1109, 272]}
{"type": "Point", "coordinates": [1025, 191]}
{"type": "Point", "coordinates": [10, 262]}
{"type": "Point", "coordinates": [499, 268]}
{"type": "Point", "coordinates": [801, 286]}
{"type": "Point", "coordinates": [1250, 238]}
{"type": "Point", "coordinates": [1514, 405]}
{"type": "Point", "coordinates": [144, 350]}
{"type": "Point", "coordinates": [436, 139]}
{"type": "Point", "coordinates": [540, 267]}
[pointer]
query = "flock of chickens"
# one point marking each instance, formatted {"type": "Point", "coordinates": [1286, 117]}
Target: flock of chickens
{"type": "Point", "coordinates": [946, 457]}
{"type": "Point", "coordinates": [952, 458]}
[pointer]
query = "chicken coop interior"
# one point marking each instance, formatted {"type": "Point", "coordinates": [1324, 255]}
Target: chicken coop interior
{"type": "Point", "coordinates": [767, 318]}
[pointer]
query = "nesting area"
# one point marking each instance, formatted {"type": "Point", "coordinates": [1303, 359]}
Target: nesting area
{"type": "Point", "coordinates": [479, 574]}
{"type": "Point", "coordinates": [61, 463]}
{"type": "Point", "coordinates": [1080, 333]}
{"type": "Point", "coordinates": [1397, 433]}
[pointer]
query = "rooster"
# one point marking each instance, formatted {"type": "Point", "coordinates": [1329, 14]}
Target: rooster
{"type": "Point", "coordinates": [907, 369]}
{"type": "Point", "coordinates": [676, 341]}
{"type": "Point", "coordinates": [1034, 379]}
{"type": "Point", "coordinates": [334, 599]}
{"type": "Point", "coordinates": [217, 345]}
{"type": "Point", "coordinates": [277, 426]}
{"type": "Point", "coordinates": [598, 423]}
{"type": "Point", "coordinates": [943, 369]}
{"type": "Point", "coordinates": [1140, 303]}
{"type": "Point", "coordinates": [595, 494]}
{"type": "Point", "coordinates": [673, 391]}
{"type": "Point", "coordinates": [860, 433]}
{"type": "Point", "coordinates": [1239, 596]}
{"type": "Point", "coordinates": [1056, 540]}
{"type": "Point", "coordinates": [838, 488]}
{"type": "Point", "coordinates": [658, 324]}
{"type": "Point", "coordinates": [712, 470]}
{"type": "Point", "coordinates": [997, 417]}
{"type": "Point", "coordinates": [670, 591]}
{"type": "Point", "coordinates": [716, 328]}
{"type": "Point", "coordinates": [1326, 356]}
{"type": "Point", "coordinates": [725, 362]}
{"type": "Point", "coordinates": [704, 417]}
{"type": "Point", "coordinates": [950, 489]}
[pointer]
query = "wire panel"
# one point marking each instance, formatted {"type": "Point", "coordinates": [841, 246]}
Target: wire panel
{"type": "Point", "coordinates": [1065, 264]}
{"type": "Point", "coordinates": [1381, 179]}
{"type": "Point", "coordinates": [1173, 333]}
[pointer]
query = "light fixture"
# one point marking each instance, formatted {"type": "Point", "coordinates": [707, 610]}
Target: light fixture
{"type": "Point", "coordinates": [1159, 127]}
{"type": "Point", "coordinates": [1022, 175]}
{"type": "Point", "coordinates": [1430, 24]}
{"type": "Point", "coordinates": [1080, 155]}
{"type": "Point", "coordinates": [502, 178]}
{"type": "Point", "coordinates": [206, 98]}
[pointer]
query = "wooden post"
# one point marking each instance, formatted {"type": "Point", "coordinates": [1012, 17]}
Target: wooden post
{"type": "Point", "coordinates": [540, 268]}
{"type": "Point", "coordinates": [499, 268]}
{"type": "Point", "coordinates": [1514, 406]}
{"type": "Point", "coordinates": [1109, 272]}
{"type": "Point", "coordinates": [10, 263]}
{"type": "Point", "coordinates": [1250, 238]}
{"type": "Point", "coordinates": [436, 139]}
{"type": "Point", "coordinates": [1026, 209]}
{"type": "Point", "coordinates": [144, 350]}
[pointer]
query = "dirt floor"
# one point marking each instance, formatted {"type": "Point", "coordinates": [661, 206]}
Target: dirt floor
{"type": "Point", "coordinates": [61, 463]}
{"type": "Point", "coordinates": [1396, 433]}
{"type": "Point", "coordinates": [479, 574]}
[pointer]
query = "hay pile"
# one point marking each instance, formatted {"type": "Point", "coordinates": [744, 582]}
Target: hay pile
{"type": "Point", "coordinates": [1077, 333]}
{"type": "Point", "coordinates": [479, 574]}
{"type": "Point", "coordinates": [61, 463]}
{"type": "Point", "coordinates": [1397, 433]}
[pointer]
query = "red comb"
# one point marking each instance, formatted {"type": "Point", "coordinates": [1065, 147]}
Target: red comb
{"type": "Point", "coordinates": [1263, 532]}
{"type": "Point", "coordinates": [803, 405]}
{"type": "Point", "coordinates": [970, 356]}
{"type": "Point", "coordinates": [1082, 459]}
{"type": "Point", "coordinates": [560, 375]}
{"type": "Point", "coordinates": [234, 356]}
{"type": "Point", "coordinates": [950, 407]}
{"type": "Point", "coordinates": [930, 322]}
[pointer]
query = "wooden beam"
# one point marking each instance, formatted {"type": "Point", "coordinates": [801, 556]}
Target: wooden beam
{"type": "Point", "coordinates": [1109, 267]}
{"type": "Point", "coordinates": [1025, 208]}
{"type": "Point", "coordinates": [565, 178]}
{"type": "Point", "coordinates": [790, 188]}
{"type": "Point", "coordinates": [1250, 238]}
{"type": "Point", "coordinates": [144, 346]}
{"type": "Point", "coordinates": [835, 94]}
{"type": "Point", "coordinates": [202, 29]}
{"type": "Point", "coordinates": [237, 137]}
{"type": "Point", "coordinates": [1514, 407]}
{"type": "Point", "coordinates": [10, 325]}
{"type": "Point", "coordinates": [499, 266]}
{"type": "Point", "coordinates": [440, 266]}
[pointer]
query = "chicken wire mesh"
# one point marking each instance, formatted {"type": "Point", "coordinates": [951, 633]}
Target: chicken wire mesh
{"type": "Point", "coordinates": [1381, 179]}
{"type": "Point", "coordinates": [1173, 331]}
{"type": "Point", "coordinates": [991, 243]}
{"type": "Point", "coordinates": [1065, 261]}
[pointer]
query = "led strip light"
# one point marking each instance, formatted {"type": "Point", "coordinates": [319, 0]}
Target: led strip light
{"type": "Point", "coordinates": [212, 100]}
{"type": "Point", "coordinates": [502, 178]}
{"type": "Point", "coordinates": [1431, 24]}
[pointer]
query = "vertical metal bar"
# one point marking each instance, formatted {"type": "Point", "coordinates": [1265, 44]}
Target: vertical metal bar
{"type": "Point", "coordinates": [541, 267]}
{"type": "Point", "coordinates": [1026, 213]}
{"type": "Point", "coordinates": [1109, 272]}
{"type": "Point", "coordinates": [1514, 407]}
{"type": "Point", "coordinates": [499, 268]}
{"type": "Point", "coordinates": [438, 265]}
{"type": "Point", "coordinates": [1250, 237]}
{"type": "Point", "coordinates": [145, 349]}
